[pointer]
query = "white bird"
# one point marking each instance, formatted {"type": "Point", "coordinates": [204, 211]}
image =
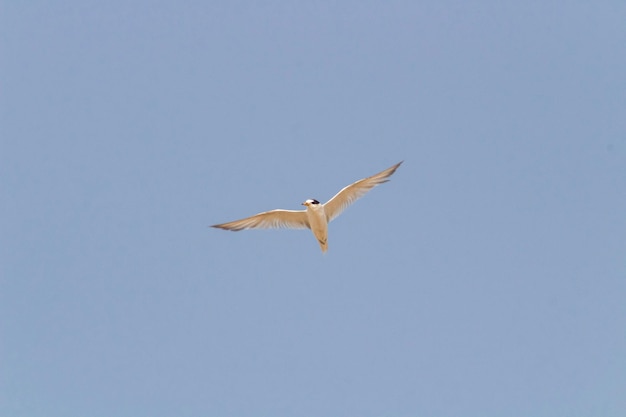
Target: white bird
{"type": "Point", "coordinates": [316, 216]}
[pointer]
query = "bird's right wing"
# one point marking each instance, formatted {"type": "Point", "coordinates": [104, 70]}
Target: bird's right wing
{"type": "Point", "coordinates": [353, 192]}
{"type": "Point", "coordinates": [274, 219]}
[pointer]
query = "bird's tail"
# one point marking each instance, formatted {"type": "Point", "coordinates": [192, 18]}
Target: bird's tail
{"type": "Point", "coordinates": [323, 245]}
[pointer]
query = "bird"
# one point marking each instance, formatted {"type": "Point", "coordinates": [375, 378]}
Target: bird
{"type": "Point", "coordinates": [316, 216]}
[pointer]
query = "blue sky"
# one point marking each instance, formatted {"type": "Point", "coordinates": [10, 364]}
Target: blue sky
{"type": "Point", "coordinates": [488, 278]}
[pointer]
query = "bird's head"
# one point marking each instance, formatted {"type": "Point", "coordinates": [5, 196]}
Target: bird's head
{"type": "Point", "coordinates": [310, 202]}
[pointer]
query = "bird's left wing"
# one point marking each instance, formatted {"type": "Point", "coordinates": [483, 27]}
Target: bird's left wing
{"type": "Point", "coordinates": [353, 192]}
{"type": "Point", "coordinates": [274, 219]}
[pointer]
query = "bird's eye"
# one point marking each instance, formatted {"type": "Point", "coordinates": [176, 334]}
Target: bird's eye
{"type": "Point", "coordinates": [315, 202]}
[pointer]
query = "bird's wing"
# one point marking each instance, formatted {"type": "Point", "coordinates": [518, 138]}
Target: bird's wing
{"type": "Point", "coordinates": [274, 219]}
{"type": "Point", "coordinates": [353, 192]}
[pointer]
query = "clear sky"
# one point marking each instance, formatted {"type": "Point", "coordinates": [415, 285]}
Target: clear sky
{"type": "Point", "coordinates": [486, 279]}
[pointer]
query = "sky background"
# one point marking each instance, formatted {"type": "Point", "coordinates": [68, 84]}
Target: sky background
{"type": "Point", "coordinates": [486, 279]}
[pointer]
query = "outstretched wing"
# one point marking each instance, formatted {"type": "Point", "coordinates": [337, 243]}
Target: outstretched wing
{"type": "Point", "coordinates": [348, 195]}
{"type": "Point", "coordinates": [274, 219]}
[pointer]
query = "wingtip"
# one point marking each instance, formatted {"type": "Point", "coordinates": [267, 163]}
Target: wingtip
{"type": "Point", "coordinates": [393, 168]}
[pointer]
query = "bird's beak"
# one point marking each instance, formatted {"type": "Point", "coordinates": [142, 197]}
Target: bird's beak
{"type": "Point", "coordinates": [303, 204]}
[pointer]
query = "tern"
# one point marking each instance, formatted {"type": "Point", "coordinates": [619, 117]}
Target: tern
{"type": "Point", "coordinates": [316, 216]}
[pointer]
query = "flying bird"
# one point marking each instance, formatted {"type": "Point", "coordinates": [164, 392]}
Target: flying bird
{"type": "Point", "coordinates": [316, 216]}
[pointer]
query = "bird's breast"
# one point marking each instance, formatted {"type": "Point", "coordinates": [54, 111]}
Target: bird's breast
{"type": "Point", "coordinates": [317, 217]}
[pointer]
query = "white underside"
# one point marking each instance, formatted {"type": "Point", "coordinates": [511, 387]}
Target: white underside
{"type": "Point", "coordinates": [319, 224]}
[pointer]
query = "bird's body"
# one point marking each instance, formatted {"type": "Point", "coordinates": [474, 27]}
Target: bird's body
{"type": "Point", "coordinates": [318, 222]}
{"type": "Point", "coordinates": [316, 216]}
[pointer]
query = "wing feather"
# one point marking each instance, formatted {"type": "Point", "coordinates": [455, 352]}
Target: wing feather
{"type": "Point", "coordinates": [274, 219]}
{"type": "Point", "coordinates": [348, 195]}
